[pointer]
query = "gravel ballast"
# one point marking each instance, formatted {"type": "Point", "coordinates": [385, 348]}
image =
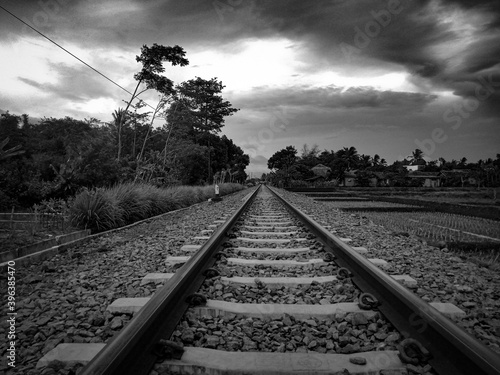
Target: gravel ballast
{"type": "Point", "coordinates": [65, 299]}
{"type": "Point", "coordinates": [442, 276]}
{"type": "Point", "coordinates": [345, 333]}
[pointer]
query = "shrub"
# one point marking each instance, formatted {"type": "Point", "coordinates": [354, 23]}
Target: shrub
{"type": "Point", "coordinates": [103, 209]}
{"type": "Point", "coordinates": [127, 197]}
{"type": "Point", "coordinates": [91, 210]}
{"type": "Point", "coordinates": [54, 206]}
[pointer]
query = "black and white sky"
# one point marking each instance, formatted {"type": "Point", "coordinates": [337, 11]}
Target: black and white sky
{"type": "Point", "coordinates": [384, 76]}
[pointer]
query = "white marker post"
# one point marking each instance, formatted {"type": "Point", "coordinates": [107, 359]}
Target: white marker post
{"type": "Point", "coordinates": [217, 197]}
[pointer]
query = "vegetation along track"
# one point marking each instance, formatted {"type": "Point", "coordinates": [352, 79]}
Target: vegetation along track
{"type": "Point", "coordinates": [274, 292]}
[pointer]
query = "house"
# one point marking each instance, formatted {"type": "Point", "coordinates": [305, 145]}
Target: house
{"type": "Point", "coordinates": [316, 181]}
{"type": "Point", "coordinates": [320, 170]}
{"type": "Point", "coordinates": [373, 179]}
{"type": "Point", "coordinates": [349, 179]}
{"type": "Point", "coordinates": [430, 179]}
{"type": "Point", "coordinates": [415, 165]}
{"type": "Point", "coordinates": [380, 179]}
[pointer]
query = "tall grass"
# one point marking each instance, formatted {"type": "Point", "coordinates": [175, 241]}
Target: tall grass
{"type": "Point", "coordinates": [104, 209]}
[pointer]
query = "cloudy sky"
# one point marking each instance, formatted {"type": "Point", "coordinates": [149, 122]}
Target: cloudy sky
{"type": "Point", "coordinates": [384, 76]}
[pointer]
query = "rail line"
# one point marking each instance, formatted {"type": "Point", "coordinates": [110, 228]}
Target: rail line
{"type": "Point", "coordinates": [281, 294]}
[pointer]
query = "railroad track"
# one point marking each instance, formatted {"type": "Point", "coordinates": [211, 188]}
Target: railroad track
{"type": "Point", "coordinates": [268, 290]}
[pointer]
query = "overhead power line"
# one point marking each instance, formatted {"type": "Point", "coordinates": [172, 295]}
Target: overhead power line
{"type": "Point", "coordinates": [72, 54]}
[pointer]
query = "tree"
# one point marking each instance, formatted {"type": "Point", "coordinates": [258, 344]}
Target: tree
{"type": "Point", "coordinates": [462, 163]}
{"type": "Point", "coordinates": [363, 178]}
{"type": "Point", "coordinates": [200, 106]}
{"type": "Point", "coordinates": [207, 108]}
{"type": "Point", "coordinates": [365, 161]}
{"type": "Point", "coordinates": [379, 164]}
{"type": "Point", "coordinates": [164, 99]}
{"type": "Point", "coordinates": [349, 156]}
{"type": "Point", "coordinates": [326, 157]}
{"type": "Point", "coordinates": [152, 59]}
{"type": "Point", "coordinates": [284, 163]}
{"type": "Point", "coordinates": [309, 156]}
{"type": "Point", "coordinates": [343, 160]}
{"type": "Point", "coordinates": [283, 159]}
{"type": "Point", "coordinates": [120, 119]}
{"type": "Point", "coordinates": [417, 155]}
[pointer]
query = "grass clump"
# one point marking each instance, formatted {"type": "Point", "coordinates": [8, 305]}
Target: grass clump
{"type": "Point", "coordinates": [104, 209]}
{"type": "Point", "coordinates": [92, 210]}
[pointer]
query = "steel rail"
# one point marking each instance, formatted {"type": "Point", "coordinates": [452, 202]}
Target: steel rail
{"type": "Point", "coordinates": [453, 350]}
{"type": "Point", "coordinates": [131, 351]}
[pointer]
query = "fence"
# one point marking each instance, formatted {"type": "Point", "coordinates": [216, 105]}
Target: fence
{"type": "Point", "coordinates": [33, 221]}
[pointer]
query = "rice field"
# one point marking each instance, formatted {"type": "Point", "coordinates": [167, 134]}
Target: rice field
{"type": "Point", "coordinates": [438, 226]}
{"type": "Point", "coordinates": [360, 204]}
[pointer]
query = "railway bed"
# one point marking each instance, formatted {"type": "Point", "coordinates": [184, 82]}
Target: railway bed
{"type": "Point", "coordinates": [279, 302]}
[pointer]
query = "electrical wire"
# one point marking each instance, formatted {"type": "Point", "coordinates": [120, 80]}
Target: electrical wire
{"type": "Point", "coordinates": [76, 57]}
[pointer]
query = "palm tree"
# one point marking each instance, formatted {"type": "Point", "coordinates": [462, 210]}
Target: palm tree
{"type": "Point", "coordinates": [365, 161]}
{"type": "Point", "coordinates": [350, 156]}
{"type": "Point", "coordinates": [120, 116]}
{"type": "Point", "coordinates": [417, 155]}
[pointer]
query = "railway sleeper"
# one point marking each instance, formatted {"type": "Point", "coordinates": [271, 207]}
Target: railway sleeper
{"type": "Point", "coordinates": [214, 361]}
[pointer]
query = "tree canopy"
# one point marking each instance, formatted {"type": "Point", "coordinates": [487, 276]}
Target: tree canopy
{"type": "Point", "coordinates": [288, 169]}
{"type": "Point", "coordinates": [56, 157]}
{"type": "Point", "coordinates": [199, 102]}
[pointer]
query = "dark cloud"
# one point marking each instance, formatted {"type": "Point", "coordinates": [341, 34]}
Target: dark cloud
{"type": "Point", "coordinates": [333, 29]}
{"type": "Point", "coordinates": [332, 97]}
{"type": "Point", "coordinates": [122, 24]}
{"type": "Point", "coordinates": [491, 7]}
{"type": "Point", "coordinates": [352, 38]}
{"type": "Point", "coordinates": [362, 34]}
{"type": "Point", "coordinates": [369, 35]}
{"type": "Point", "coordinates": [78, 84]}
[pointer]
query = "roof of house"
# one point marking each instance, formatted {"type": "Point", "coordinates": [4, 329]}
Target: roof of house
{"type": "Point", "coordinates": [320, 166]}
{"type": "Point", "coordinates": [315, 178]}
{"type": "Point", "coordinates": [424, 175]}
{"type": "Point", "coordinates": [418, 162]}
{"type": "Point", "coordinates": [456, 172]}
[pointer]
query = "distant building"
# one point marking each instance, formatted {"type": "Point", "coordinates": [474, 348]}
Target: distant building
{"type": "Point", "coordinates": [415, 165]}
{"type": "Point", "coordinates": [349, 178]}
{"type": "Point", "coordinates": [380, 179]}
{"type": "Point", "coordinates": [316, 181]}
{"type": "Point", "coordinates": [430, 179]}
{"type": "Point", "coordinates": [320, 170]}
